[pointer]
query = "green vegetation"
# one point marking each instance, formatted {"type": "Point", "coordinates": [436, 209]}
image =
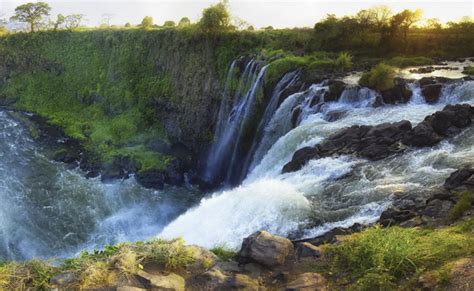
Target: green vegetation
{"type": "Point", "coordinates": [380, 77]}
{"type": "Point", "coordinates": [32, 13]}
{"type": "Point", "coordinates": [224, 253]}
{"type": "Point", "coordinates": [466, 199]}
{"type": "Point", "coordinates": [99, 268]}
{"type": "Point", "coordinates": [378, 257]}
{"type": "Point", "coordinates": [402, 62]}
{"type": "Point", "coordinates": [147, 22]}
{"type": "Point", "coordinates": [318, 61]}
{"type": "Point", "coordinates": [469, 70]}
{"type": "Point", "coordinates": [216, 18]}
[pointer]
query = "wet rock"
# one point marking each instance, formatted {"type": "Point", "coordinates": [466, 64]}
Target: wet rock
{"type": "Point", "coordinates": [300, 158]}
{"type": "Point", "coordinates": [170, 281]}
{"type": "Point", "coordinates": [175, 171]}
{"type": "Point", "coordinates": [398, 94]}
{"type": "Point", "coordinates": [394, 216]}
{"type": "Point", "coordinates": [423, 70]}
{"type": "Point", "coordinates": [458, 178]}
{"type": "Point", "coordinates": [432, 92]}
{"type": "Point", "coordinates": [153, 179]}
{"type": "Point", "coordinates": [330, 236]}
{"type": "Point", "coordinates": [266, 249]}
{"type": "Point", "coordinates": [372, 142]}
{"type": "Point", "coordinates": [307, 282]}
{"type": "Point", "coordinates": [437, 208]}
{"type": "Point", "coordinates": [119, 168]}
{"type": "Point", "coordinates": [336, 87]}
{"type": "Point", "coordinates": [431, 80]}
{"type": "Point", "coordinates": [295, 114]}
{"type": "Point", "coordinates": [306, 249]}
{"type": "Point", "coordinates": [422, 135]}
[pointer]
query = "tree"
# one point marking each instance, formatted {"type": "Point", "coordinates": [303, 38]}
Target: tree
{"type": "Point", "coordinates": [128, 24]}
{"type": "Point", "coordinates": [59, 21]}
{"type": "Point", "coordinates": [184, 22]}
{"type": "Point", "coordinates": [169, 23]}
{"type": "Point", "coordinates": [147, 22]}
{"type": "Point", "coordinates": [73, 21]}
{"type": "Point", "coordinates": [433, 24]}
{"type": "Point", "coordinates": [216, 17]}
{"type": "Point", "coordinates": [32, 13]}
{"type": "Point", "coordinates": [381, 15]}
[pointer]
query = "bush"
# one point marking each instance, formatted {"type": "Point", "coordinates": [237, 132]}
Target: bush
{"type": "Point", "coordinates": [380, 77]}
{"type": "Point", "coordinates": [469, 70]}
{"type": "Point", "coordinates": [344, 61]}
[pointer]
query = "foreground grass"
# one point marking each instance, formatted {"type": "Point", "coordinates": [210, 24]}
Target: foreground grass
{"type": "Point", "coordinates": [375, 259]}
{"type": "Point", "coordinates": [99, 268]}
{"type": "Point", "coordinates": [380, 258]}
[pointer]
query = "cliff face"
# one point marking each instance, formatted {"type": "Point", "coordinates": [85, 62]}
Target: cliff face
{"type": "Point", "coordinates": [148, 96]}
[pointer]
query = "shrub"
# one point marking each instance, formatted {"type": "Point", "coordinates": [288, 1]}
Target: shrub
{"type": "Point", "coordinates": [380, 77]}
{"type": "Point", "coordinates": [464, 203]}
{"type": "Point", "coordinates": [224, 253]}
{"type": "Point", "coordinates": [344, 61]}
{"type": "Point", "coordinates": [172, 254]}
{"type": "Point", "coordinates": [469, 70]}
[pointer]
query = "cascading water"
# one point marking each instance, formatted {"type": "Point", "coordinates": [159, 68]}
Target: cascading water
{"type": "Point", "coordinates": [47, 210]}
{"type": "Point", "coordinates": [309, 202]}
{"type": "Point", "coordinates": [223, 164]}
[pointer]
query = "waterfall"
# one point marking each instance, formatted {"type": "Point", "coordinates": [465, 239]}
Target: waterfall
{"type": "Point", "coordinates": [223, 163]}
{"type": "Point", "coordinates": [308, 202]}
{"type": "Point", "coordinates": [286, 82]}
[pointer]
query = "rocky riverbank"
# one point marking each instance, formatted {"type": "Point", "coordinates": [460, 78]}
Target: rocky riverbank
{"type": "Point", "coordinates": [431, 248]}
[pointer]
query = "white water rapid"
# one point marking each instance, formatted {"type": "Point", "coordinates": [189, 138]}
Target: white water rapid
{"type": "Point", "coordinates": [329, 192]}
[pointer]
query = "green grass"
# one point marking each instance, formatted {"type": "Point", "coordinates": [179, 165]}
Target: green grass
{"type": "Point", "coordinates": [224, 253]}
{"type": "Point", "coordinates": [464, 203]}
{"type": "Point", "coordinates": [405, 61]}
{"type": "Point", "coordinates": [386, 255]}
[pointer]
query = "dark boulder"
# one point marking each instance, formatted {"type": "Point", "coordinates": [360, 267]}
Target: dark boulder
{"type": "Point", "coordinates": [295, 114]}
{"type": "Point", "coordinates": [153, 179]}
{"type": "Point", "coordinates": [398, 94]}
{"type": "Point", "coordinates": [175, 171]}
{"type": "Point", "coordinates": [458, 178]}
{"type": "Point", "coordinates": [300, 158]}
{"type": "Point", "coordinates": [380, 141]}
{"type": "Point", "coordinates": [336, 87]}
{"type": "Point", "coordinates": [421, 135]}
{"type": "Point", "coordinates": [432, 80]}
{"type": "Point", "coordinates": [393, 216]}
{"type": "Point", "coordinates": [432, 92]}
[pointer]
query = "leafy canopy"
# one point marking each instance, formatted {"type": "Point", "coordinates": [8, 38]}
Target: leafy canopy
{"type": "Point", "coordinates": [31, 13]}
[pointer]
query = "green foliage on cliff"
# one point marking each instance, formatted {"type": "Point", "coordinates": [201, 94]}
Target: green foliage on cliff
{"type": "Point", "coordinates": [466, 199]}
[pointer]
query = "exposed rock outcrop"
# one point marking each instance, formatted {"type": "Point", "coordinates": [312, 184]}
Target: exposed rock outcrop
{"type": "Point", "coordinates": [266, 249]}
{"type": "Point", "coordinates": [380, 141]}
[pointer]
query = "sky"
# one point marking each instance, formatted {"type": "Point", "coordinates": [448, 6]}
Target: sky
{"type": "Point", "coordinates": [259, 13]}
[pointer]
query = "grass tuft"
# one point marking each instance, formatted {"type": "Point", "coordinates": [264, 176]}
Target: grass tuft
{"type": "Point", "coordinates": [464, 203]}
{"type": "Point", "coordinates": [224, 253]}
